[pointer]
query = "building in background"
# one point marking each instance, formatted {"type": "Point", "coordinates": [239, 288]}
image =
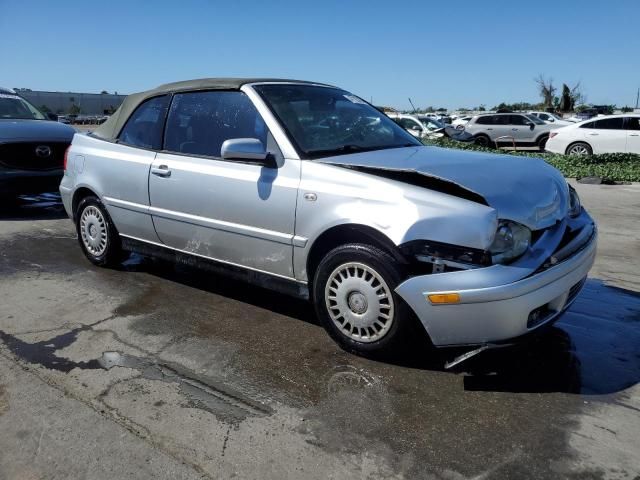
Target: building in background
{"type": "Point", "coordinates": [73, 102]}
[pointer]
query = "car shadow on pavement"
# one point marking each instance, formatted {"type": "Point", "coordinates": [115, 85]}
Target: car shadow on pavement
{"type": "Point", "coordinates": [44, 206]}
{"type": "Point", "coordinates": [227, 287]}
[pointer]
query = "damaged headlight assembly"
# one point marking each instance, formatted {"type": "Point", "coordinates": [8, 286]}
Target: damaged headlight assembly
{"type": "Point", "coordinates": [575, 207]}
{"type": "Point", "coordinates": [511, 241]}
{"type": "Point", "coordinates": [442, 255]}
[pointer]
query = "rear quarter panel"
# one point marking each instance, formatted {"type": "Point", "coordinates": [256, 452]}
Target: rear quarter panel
{"type": "Point", "coordinates": [118, 175]}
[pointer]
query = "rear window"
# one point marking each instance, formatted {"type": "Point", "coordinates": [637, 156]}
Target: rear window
{"type": "Point", "coordinates": [633, 123]}
{"type": "Point", "coordinates": [486, 120]}
{"type": "Point", "coordinates": [144, 127]}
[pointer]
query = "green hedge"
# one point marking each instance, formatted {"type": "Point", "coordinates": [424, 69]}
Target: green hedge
{"type": "Point", "coordinates": [608, 166]}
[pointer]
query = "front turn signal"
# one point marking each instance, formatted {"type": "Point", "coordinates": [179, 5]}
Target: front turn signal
{"type": "Point", "coordinates": [444, 298]}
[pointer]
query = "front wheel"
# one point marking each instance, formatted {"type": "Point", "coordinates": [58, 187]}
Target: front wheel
{"type": "Point", "coordinates": [542, 142]}
{"type": "Point", "coordinates": [355, 299]}
{"type": "Point", "coordinates": [97, 235]}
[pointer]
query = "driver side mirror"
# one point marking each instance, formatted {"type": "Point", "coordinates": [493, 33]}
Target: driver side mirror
{"type": "Point", "coordinates": [248, 149]}
{"type": "Point", "coordinates": [531, 125]}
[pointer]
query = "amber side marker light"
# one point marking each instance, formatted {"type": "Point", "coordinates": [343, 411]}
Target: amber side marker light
{"type": "Point", "coordinates": [444, 298]}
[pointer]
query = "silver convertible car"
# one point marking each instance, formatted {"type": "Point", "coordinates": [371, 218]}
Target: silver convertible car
{"type": "Point", "coordinates": [308, 189]}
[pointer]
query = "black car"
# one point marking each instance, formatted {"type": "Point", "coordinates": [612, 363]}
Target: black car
{"type": "Point", "coordinates": [32, 148]}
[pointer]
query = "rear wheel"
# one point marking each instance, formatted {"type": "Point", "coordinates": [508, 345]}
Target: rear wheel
{"type": "Point", "coordinates": [483, 141]}
{"type": "Point", "coordinates": [355, 299]}
{"type": "Point", "coordinates": [97, 235]}
{"type": "Point", "coordinates": [579, 148]}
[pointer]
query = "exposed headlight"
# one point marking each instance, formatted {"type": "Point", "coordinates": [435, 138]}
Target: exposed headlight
{"type": "Point", "coordinates": [575, 207]}
{"type": "Point", "coordinates": [511, 241]}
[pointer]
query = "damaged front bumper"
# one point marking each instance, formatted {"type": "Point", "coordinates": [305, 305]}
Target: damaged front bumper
{"type": "Point", "coordinates": [502, 302]}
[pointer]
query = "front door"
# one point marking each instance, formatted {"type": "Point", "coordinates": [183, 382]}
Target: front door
{"type": "Point", "coordinates": [232, 211]}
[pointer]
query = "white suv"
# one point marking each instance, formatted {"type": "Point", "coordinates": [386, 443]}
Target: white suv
{"type": "Point", "coordinates": [522, 129]}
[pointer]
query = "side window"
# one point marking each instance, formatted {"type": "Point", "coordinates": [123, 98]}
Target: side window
{"type": "Point", "coordinates": [200, 122]}
{"type": "Point", "coordinates": [518, 120]}
{"type": "Point", "coordinates": [609, 124]}
{"type": "Point", "coordinates": [632, 123]}
{"type": "Point", "coordinates": [501, 120]}
{"type": "Point", "coordinates": [588, 125]}
{"type": "Point", "coordinates": [144, 126]}
{"type": "Point", "coordinates": [544, 116]}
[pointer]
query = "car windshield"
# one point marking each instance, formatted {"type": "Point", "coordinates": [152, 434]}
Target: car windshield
{"type": "Point", "coordinates": [13, 106]}
{"type": "Point", "coordinates": [325, 121]}
{"type": "Point", "coordinates": [535, 119]}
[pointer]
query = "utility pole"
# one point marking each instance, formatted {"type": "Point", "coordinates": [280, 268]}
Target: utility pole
{"type": "Point", "coordinates": [637, 98]}
{"type": "Point", "coordinates": [412, 105]}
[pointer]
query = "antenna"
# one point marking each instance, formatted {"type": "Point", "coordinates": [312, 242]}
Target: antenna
{"type": "Point", "coordinates": [412, 105]}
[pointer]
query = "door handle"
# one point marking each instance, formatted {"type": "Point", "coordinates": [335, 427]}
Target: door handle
{"type": "Point", "coordinates": [594, 134]}
{"type": "Point", "coordinates": [161, 171]}
{"type": "Point", "coordinates": [514, 129]}
{"type": "Point", "coordinates": [489, 128]}
{"type": "Point", "coordinates": [634, 134]}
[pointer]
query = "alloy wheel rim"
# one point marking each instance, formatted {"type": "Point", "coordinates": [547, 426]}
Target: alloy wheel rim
{"type": "Point", "coordinates": [578, 150]}
{"type": "Point", "coordinates": [359, 302]}
{"type": "Point", "coordinates": [93, 231]}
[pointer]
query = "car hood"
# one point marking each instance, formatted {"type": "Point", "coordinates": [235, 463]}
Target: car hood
{"type": "Point", "coordinates": [522, 189]}
{"type": "Point", "coordinates": [13, 130]}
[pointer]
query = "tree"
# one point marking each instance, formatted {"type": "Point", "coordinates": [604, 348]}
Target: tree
{"type": "Point", "coordinates": [74, 109]}
{"type": "Point", "coordinates": [442, 110]}
{"type": "Point", "coordinates": [626, 109]}
{"type": "Point", "coordinates": [577, 95]}
{"type": "Point", "coordinates": [566, 102]}
{"type": "Point", "coordinates": [103, 92]}
{"type": "Point", "coordinates": [45, 109]}
{"type": "Point", "coordinates": [481, 108]}
{"type": "Point", "coordinates": [546, 90]}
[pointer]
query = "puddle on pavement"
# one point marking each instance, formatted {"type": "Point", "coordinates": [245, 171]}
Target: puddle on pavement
{"type": "Point", "coordinates": [34, 207]}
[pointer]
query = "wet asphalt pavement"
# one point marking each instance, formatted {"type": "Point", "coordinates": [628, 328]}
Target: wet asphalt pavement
{"type": "Point", "coordinates": [161, 371]}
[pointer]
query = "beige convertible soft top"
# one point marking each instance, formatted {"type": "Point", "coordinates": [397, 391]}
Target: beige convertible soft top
{"type": "Point", "coordinates": [110, 129]}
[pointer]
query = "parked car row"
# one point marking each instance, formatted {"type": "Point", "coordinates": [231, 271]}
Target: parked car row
{"type": "Point", "coordinates": [600, 134]}
{"type": "Point", "coordinates": [425, 126]}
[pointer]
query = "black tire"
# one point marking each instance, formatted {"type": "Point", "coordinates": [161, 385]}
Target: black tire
{"type": "Point", "coordinates": [542, 142]}
{"type": "Point", "coordinates": [402, 323]}
{"type": "Point", "coordinates": [483, 141]}
{"type": "Point", "coordinates": [111, 254]}
{"type": "Point", "coordinates": [579, 146]}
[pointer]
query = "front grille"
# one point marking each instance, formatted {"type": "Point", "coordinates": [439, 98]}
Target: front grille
{"type": "Point", "coordinates": [23, 156]}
